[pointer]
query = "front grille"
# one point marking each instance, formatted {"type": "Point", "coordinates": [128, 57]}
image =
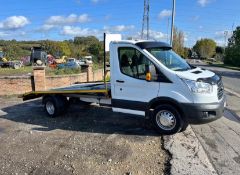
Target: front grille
{"type": "Point", "coordinates": [220, 89]}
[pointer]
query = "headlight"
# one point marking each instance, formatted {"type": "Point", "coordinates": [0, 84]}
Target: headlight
{"type": "Point", "coordinates": [199, 87]}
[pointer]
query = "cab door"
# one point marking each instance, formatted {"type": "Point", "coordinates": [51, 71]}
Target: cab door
{"type": "Point", "coordinates": [131, 91]}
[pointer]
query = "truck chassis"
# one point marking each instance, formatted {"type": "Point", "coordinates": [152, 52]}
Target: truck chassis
{"type": "Point", "coordinates": [56, 101]}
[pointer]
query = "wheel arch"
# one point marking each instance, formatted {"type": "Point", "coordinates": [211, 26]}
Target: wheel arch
{"type": "Point", "coordinates": [45, 97]}
{"type": "Point", "coordinates": [54, 96]}
{"type": "Point", "coordinates": [164, 100]}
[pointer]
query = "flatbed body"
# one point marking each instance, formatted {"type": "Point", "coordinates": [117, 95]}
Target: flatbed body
{"type": "Point", "coordinates": [95, 90]}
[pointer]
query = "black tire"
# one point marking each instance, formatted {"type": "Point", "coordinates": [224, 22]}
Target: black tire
{"type": "Point", "coordinates": [165, 115]}
{"type": "Point", "coordinates": [55, 105]}
{"type": "Point", "coordinates": [184, 127]}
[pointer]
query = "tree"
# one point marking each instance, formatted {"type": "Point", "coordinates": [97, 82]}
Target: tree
{"type": "Point", "coordinates": [64, 48]}
{"type": "Point", "coordinates": [219, 53]}
{"type": "Point", "coordinates": [77, 48]}
{"type": "Point", "coordinates": [178, 42]}
{"type": "Point", "coordinates": [233, 50]}
{"type": "Point", "coordinates": [187, 53]}
{"type": "Point", "coordinates": [94, 49]}
{"type": "Point", "coordinates": [205, 48]}
{"type": "Point", "coordinates": [219, 50]}
{"type": "Point", "coordinates": [85, 40]}
{"type": "Point", "coordinates": [12, 51]}
{"type": "Point", "coordinates": [57, 48]}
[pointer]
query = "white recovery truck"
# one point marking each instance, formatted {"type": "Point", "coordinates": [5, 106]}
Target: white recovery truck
{"type": "Point", "coordinates": [147, 79]}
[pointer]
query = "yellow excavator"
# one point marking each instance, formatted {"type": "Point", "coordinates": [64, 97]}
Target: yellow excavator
{"type": "Point", "coordinates": [2, 58]}
{"type": "Point", "coordinates": [61, 60]}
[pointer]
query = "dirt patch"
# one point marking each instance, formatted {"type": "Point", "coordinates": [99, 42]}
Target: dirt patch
{"type": "Point", "coordinates": [90, 140]}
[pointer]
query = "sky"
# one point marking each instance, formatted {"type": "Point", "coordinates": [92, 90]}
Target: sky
{"type": "Point", "coordinates": [65, 19]}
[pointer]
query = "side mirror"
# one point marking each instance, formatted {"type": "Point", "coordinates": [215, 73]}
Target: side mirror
{"type": "Point", "coordinates": [151, 72]}
{"type": "Point", "coordinates": [148, 76]}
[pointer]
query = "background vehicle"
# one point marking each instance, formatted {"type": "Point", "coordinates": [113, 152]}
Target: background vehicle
{"type": "Point", "coordinates": [38, 56]}
{"type": "Point", "coordinates": [148, 79]}
{"type": "Point", "coordinates": [72, 63]}
{"type": "Point", "coordinates": [88, 59]}
{"type": "Point", "coordinates": [4, 63]}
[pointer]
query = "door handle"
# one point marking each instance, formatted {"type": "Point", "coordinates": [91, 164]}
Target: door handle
{"type": "Point", "coordinates": [119, 81]}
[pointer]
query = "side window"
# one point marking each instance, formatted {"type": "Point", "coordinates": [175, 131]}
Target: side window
{"type": "Point", "coordinates": [134, 64]}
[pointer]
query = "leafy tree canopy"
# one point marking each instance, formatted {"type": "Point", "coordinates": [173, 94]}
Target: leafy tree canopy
{"type": "Point", "coordinates": [232, 55]}
{"type": "Point", "coordinates": [205, 48]}
{"type": "Point", "coordinates": [77, 47]}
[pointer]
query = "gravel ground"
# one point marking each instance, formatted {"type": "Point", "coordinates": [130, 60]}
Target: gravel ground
{"type": "Point", "coordinates": [86, 140]}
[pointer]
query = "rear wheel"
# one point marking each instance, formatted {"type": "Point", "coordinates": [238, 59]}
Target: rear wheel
{"type": "Point", "coordinates": [167, 120]}
{"type": "Point", "coordinates": [55, 105]}
{"type": "Point", "coordinates": [50, 107]}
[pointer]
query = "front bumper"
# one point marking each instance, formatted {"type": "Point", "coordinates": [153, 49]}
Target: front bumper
{"type": "Point", "coordinates": [203, 113]}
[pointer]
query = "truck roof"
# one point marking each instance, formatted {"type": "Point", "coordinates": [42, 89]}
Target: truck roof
{"type": "Point", "coordinates": [144, 44]}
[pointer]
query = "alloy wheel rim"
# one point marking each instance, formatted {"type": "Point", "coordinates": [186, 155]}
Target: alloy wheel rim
{"type": "Point", "coordinates": [165, 120]}
{"type": "Point", "coordinates": [50, 108]}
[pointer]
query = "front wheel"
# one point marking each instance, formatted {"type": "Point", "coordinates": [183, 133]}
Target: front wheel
{"type": "Point", "coordinates": [167, 120]}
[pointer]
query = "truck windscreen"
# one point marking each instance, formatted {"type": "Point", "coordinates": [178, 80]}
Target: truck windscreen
{"type": "Point", "coordinates": [169, 58]}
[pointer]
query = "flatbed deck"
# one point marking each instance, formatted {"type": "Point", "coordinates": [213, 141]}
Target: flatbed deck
{"type": "Point", "coordinates": [95, 89]}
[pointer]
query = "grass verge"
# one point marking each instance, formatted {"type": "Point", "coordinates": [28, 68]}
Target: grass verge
{"type": "Point", "coordinates": [27, 70]}
{"type": "Point", "coordinates": [16, 72]}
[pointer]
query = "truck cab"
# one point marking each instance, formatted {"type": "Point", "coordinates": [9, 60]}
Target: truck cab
{"type": "Point", "coordinates": [149, 79]}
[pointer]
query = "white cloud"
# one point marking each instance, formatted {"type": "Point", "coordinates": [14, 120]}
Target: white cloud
{"type": "Point", "coordinates": [46, 27]}
{"type": "Point", "coordinates": [153, 35]}
{"type": "Point", "coordinates": [95, 1]}
{"type": "Point", "coordinates": [222, 34]}
{"type": "Point", "coordinates": [220, 42]}
{"type": "Point", "coordinates": [56, 21]}
{"type": "Point", "coordinates": [3, 34]}
{"type": "Point", "coordinates": [13, 34]}
{"type": "Point", "coordinates": [14, 22]}
{"type": "Point", "coordinates": [78, 1]}
{"type": "Point", "coordinates": [164, 14]}
{"type": "Point", "coordinates": [71, 19]}
{"type": "Point", "coordinates": [195, 18]}
{"type": "Point", "coordinates": [78, 31]}
{"type": "Point", "coordinates": [107, 17]}
{"type": "Point", "coordinates": [156, 35]}
{"type": "Point", "coordinates": [118, 28]}
{"type": "Point", "coordinates": [83, 18]}
{"type": "Point", "coordinates": [186, 37]}
{"type": "Point", "coordinates": [203, 3]}
{"type": "Point", "coordinates": [98, 1]}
